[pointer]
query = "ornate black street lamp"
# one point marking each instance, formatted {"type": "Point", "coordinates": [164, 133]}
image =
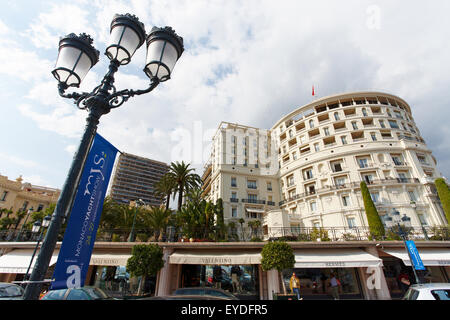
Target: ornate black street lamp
{"type": "Point", "coordinates": [131, 237]}
{"type": "Point", "coordinates": [35, 229]}
{"type": "Point", "coordinates": [402, 222]}
{"type": "Point", "coordinates": [76, 57]}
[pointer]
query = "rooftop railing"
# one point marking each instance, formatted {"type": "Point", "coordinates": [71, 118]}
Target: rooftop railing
{"type": "Point", "coordinates": [245, 233]}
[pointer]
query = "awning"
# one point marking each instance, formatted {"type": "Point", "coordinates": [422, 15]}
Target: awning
{"type": "Point", "coordinates": [215, 258]}
{"type": "Point", "coordinates": [430, 256]}
{"type": "Point", "coordinates": [335, 258]}
{"type": "Point", "coordinates": [109, 259]}
{"type": "Point", "coordinates": [254, 210]}
{"type": "Point", "coordinates": [17, 261]}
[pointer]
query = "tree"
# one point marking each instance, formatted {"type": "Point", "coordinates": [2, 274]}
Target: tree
{"type": "Point", "coordinates": [196, 219]}
{"type": "Point", "coordinates": [165, 188]}
{"type": "Point", "coordinates": [444, 196]}
{"type": "Point", "coordinates": [119, 218]}
{"type": "Point", "coordinates": [278, 256]}
{"type": "Point", "coordinates": [156, 219]}
{"type": "Point", "coordinates": [184, 179]}
{"type": "Point", "coordinates": [376, 227]}
{"type": "Point", "coordinates": [241, 222]}
{"type": "Point", "coordinates": [254, 225]}
{"type": "Point", "coordinates": [220, 223]}
{"type": "Point", "coordinates": [145, 260]}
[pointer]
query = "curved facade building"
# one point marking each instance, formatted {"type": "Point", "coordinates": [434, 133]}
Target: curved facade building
{"type": "Point", "coordinates": [324, 150]}
{"type": "Point", "coordinates": [329, 146]}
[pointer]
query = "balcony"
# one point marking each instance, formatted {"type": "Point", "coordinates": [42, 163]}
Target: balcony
{"type": "Point", "coordinates": [254, 201]}
{"type": "Point", "coordinates": [234, 200]}
{"type": "Point", "coordinates": [270, 203]}
{"type": "Point", "coordinates": [366, 165]}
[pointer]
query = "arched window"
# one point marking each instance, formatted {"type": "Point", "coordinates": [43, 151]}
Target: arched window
{"type": "Point", "coordinates": [311, 123]}
{"type": "Point", "coordinates": [336, 116]}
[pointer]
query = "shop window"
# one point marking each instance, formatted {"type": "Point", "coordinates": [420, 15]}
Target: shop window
{"type": "Point", "coordinates": [315, 282]}
{"type": "Point", "coordinates": [240, 280]}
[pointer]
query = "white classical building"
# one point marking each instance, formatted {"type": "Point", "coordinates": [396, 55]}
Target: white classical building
{"type": "Point", "coordinates": [306, 170]}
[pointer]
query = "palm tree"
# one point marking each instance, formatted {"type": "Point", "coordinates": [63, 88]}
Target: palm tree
{"type": "Point", "coordinates": [157, 219]}
{"type": "Point", "coordinates": [254, 225]}
{"type": "Point", "coordinates": [184, 178]}
{"type": "Point", "coordinates": [165, 187]}
{"type": "Point", "coordinates": [242, 221]}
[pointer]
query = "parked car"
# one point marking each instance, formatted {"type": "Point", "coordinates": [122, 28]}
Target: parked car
{"type": "Point", "coordinates": [187, 297]}
{"type": "Point", "coordinates": [85, 293]}
{"type": "Point", "coordinates": [10, 291]}
{"type": "Point", "coordinates": [428, 291]}
{"type": "Point", "coordinates": [205, 291]}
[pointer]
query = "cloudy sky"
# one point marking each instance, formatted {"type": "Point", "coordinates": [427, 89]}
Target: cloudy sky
{"type": "Point", "coordinates": [249, 62]}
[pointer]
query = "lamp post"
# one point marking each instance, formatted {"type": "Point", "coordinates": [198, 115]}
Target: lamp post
{"type": "Point", "coordinates": [401, 222]}
{"type": "Point", "coordinates": [76, 57]}
{"type": "Point", "coordinates": [131, 236]}
{"type": "Point", "coordinates": [35, 229]}
{"type": "Point", "coordinates": [414, 206]}
{"type": "Point", "coordinates": [24, 223]}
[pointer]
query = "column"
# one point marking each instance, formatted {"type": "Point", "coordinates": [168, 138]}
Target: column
{"type": "Point", "coordinates": [273, 283]}
{"type": "Point", "coordinates": [164, 275]}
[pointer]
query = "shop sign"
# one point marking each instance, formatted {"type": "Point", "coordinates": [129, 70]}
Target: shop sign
{"type": "Point", "coordinates": [414, 255]}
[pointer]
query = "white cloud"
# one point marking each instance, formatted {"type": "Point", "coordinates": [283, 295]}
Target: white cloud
{"type": "Point", "coordinates": [245, 61]}
{"type": "Point", "coordinates": [71, 149]}
{"type": "Point", "coordinates": [25, 163]}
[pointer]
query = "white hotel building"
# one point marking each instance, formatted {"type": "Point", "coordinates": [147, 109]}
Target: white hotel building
{"type": "Point", "coordinates": [306, 170]}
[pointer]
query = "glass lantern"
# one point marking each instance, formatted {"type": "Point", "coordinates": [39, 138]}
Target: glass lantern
{"type": "Point", "coordinates": [127, 35]}
{"type": "Point", "coordinates": [164, 48]}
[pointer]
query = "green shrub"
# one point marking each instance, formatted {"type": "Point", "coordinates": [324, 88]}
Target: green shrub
{"type": "Point", "coordinates": [444, 196]}
{"type": "Point", "coordinates": [277, 255]}
{"type": "Point", "coordinates": [143, 237]}
{"type": "Point", "coordinates": [115, 238]}
{"type": "Point", "coordinates": [319, 234]}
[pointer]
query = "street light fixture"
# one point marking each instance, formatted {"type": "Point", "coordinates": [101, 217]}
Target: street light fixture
{"type": "Point", "coordinates": [76, 57]}
{"type": "Point", "coordinates": [131, 237]}
{"type": "Point", "coordinates": [24, 223]}
{"type": "Point", "coordinates": [35, 229]}
{"type": "Point", "coordinates": [405, 221]}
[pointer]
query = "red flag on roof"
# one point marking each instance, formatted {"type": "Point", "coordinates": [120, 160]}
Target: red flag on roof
{"type": "Point", "coordinates": [313, 93]}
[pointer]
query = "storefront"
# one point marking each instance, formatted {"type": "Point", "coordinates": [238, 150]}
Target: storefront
{"type": "Point", "coordinates": [233, 271]}
{"type": "Point", "coordinates": [15, 263]}
{"type": "Point", "coordinates": [108, 271]}
{"type": "Point", "coordinates": [396, 262]}
{"type": "Point", "coordinates": [314, 268]}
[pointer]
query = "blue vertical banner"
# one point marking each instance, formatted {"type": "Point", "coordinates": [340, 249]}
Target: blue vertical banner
{"type": "Point", "coordinates": [78, 243]}
{"type": "Point", "coordinates": [415, 257]}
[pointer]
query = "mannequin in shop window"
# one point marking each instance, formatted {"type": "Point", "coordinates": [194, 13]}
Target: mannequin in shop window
{"type": "Point", "coordinates": [235, 277]}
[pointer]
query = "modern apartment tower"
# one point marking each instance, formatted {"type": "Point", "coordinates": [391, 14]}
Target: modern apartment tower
{"type": "Point", "coordinates": [135, 178]}
{"type": "Point", "coordinates": [306, 170]}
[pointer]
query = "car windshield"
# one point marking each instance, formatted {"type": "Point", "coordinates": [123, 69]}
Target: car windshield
{"type": "Point", "coordinates": [96, 294]}
{"type": "Point", "coordinates": [411, 294]}
{"type": "Point", "coordinates": [10, 291]}
{"type": "Point", "coordinates": [441, 294]}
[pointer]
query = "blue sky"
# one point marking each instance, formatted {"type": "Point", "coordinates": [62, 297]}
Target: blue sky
{"type": "Point", "coordinates": [257, 56]}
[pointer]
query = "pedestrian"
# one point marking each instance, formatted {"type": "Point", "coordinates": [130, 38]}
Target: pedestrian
{"type": "Point", "coordinates": [404, 282]}
{"type": "Point", "coordinates": [335, 284]}
{"type": "Point", "coordinates": [294, 284]}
